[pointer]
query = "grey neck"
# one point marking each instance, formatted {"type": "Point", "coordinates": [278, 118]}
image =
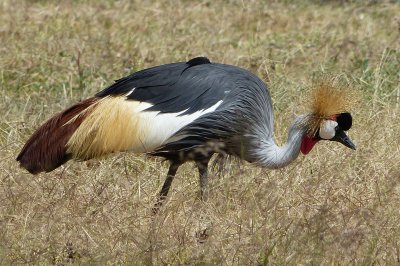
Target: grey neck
{"type": "Point", "coordinates": [269, 155]}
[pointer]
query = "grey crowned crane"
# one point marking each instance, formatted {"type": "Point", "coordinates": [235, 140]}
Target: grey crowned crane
{"type": "Point", "coordinates": [186, 111]}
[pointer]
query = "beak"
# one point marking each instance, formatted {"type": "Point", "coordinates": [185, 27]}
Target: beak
{"type": "Point", "coordinates": [344, 139]}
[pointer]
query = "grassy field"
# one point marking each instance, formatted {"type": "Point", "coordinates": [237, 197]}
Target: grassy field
{"type": "Point", "coordinates": [334, 206]}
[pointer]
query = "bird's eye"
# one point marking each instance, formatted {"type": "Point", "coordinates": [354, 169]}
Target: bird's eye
{"type": "Point", "coordinates": [345, 121]}
{"type": "Point", "coordinates": [327, 129]}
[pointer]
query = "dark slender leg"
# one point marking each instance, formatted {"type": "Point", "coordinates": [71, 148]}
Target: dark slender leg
{"type": "Point", "coordinates": [167, 184]}
{"type": "Point", "coordinates": [203, 172]}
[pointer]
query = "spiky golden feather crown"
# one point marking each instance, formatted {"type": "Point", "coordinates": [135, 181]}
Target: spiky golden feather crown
{"type": "Point", "coordinates": [329, 96]}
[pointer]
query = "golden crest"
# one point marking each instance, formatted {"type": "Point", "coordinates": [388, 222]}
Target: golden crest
{"type": "Point", "coordinates": [328, 97]}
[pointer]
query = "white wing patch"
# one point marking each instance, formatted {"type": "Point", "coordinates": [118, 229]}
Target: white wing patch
{"type": "Point", "coordinates": [130, 92]}
{"type": "Point", "coordinates": [327, 129]}
{"type": "Point", "coordinates": [154, 128]}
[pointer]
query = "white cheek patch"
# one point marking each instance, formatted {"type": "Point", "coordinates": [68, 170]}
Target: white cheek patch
{"type": "Point", "coordinates": [327, 129]}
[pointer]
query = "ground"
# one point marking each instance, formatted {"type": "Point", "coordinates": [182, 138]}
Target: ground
{"type": "Point", "coordinates": [333, 206]}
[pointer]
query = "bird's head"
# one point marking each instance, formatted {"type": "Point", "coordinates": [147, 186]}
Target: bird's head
{"type": "Point", "coordinates": [332, 129]}
{"type": "Point", "coordinates": [328, 118]}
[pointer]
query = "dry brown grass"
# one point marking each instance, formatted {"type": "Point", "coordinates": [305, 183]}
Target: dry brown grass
{"type": "Point", "coordinates": [335, 206]}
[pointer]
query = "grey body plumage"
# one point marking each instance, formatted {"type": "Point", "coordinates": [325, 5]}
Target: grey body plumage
{"type": "Point", "coordinates": [244, 116]}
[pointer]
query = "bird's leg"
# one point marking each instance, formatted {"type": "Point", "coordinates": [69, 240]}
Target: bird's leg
{"type": "Point", "coordinates": [167, 184]}
{"type": "Point", "coordinates": [203, 172]}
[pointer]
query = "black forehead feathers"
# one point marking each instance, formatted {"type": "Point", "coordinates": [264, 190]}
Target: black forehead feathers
{"type": "Point", "coordinates": [344, 121]}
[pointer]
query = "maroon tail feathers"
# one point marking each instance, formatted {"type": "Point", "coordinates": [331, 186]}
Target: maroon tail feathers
{"type": "Point", "coordinates": [46, 148]}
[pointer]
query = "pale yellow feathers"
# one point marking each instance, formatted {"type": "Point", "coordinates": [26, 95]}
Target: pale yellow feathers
{"type": "Point", "coordinates": [110, 127]}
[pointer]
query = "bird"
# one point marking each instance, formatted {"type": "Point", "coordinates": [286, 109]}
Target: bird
{"type": "Point", "coordinates": [187, 111]}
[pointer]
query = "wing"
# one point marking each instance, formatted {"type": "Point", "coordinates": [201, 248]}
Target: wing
{"type": "Point", "coordinates": [141, 111]}
{"type": "Point", "coordinates": [183, 88]}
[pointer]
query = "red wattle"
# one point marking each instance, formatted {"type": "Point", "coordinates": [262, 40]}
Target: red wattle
{"type": "Point", "coordinates": [307, 144]}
